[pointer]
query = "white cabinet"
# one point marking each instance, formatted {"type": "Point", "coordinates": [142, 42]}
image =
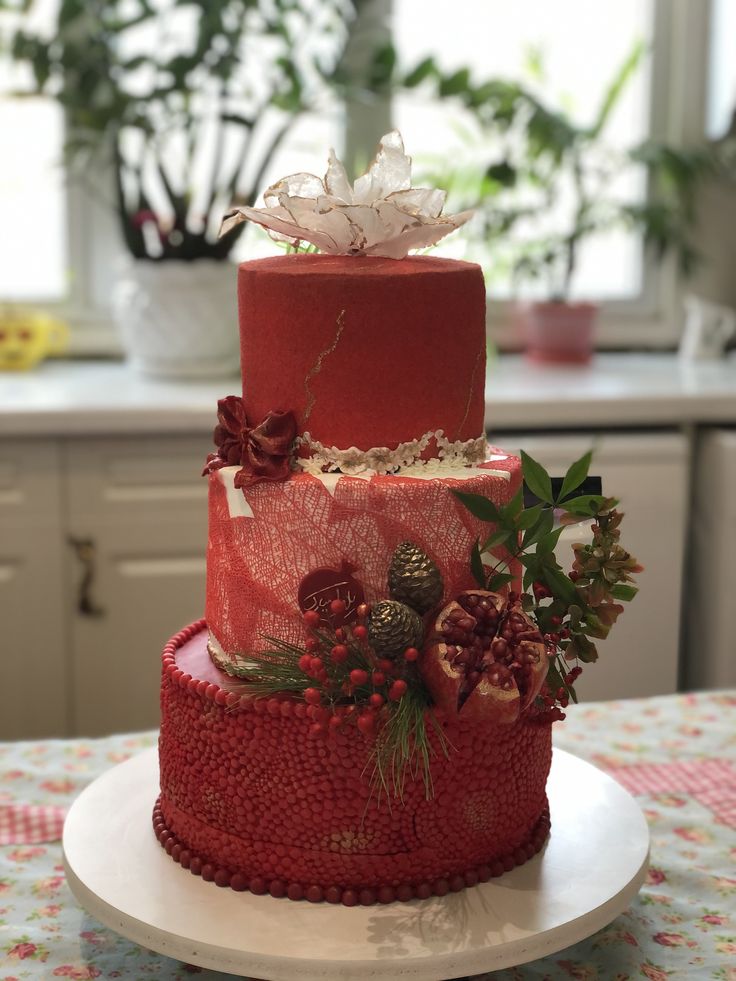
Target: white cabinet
{"type": "Point", "coordinates": [137, 520]}
{"type": "Point", "coordinates": [710, 648]}
{"type": "Point", "coordinates": [33, 650]}
{"type": "Point", "coordinates": [648, 472]}
{"type": "Point", "coordinates": [102, 559]}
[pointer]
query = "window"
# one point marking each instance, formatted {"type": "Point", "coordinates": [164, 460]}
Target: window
{"type": "Point", "coordinates": [722, 68]}
{"type": "Point", "coordinates": [576, 50]}
{"type": "Point", "coordinates": [61, 244]}
{"type": "Point", "coordinates": [33, 247]}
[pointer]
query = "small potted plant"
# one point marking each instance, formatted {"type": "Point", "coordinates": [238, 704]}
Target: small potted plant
{"type": "Point", "coordinates": [186, 105]}
{"type": "Point", "coordinates": [548, 184]}
{"type": "Point", "coordinates": [561, 191]}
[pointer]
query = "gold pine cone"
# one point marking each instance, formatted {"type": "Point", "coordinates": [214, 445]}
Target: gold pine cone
{"type": "Point", "coordinates": [393, 627]}
{"type": "Point", "coordinates": [414, 579]}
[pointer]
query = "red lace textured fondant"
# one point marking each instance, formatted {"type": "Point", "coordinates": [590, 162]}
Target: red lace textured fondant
{"type": "Point", "coordinates": [261, 804]}
{"type": "Point", "coordinates": [256, 560]}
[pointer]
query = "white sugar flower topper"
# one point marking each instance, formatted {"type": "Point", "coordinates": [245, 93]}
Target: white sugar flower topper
{"type": "Point", "coordinates": [380, 214]}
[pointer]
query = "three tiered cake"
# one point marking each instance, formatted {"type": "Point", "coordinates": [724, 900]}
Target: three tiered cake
{"type": "Point", "coordinates": [357, 720]}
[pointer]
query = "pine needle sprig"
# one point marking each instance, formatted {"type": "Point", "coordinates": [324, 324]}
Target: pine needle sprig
{"type": "Point", "coordinates": [403, 747]}
{"type": "Point", "coordinates": [269, 672]}
{"type": "Point", "coordinates": [408, 734]}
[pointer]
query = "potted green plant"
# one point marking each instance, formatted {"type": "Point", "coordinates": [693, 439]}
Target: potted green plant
{"type": "Point", "coordinates": [186, 104]}
{"type": "Point", "coordinates": [563, 159]}
{"type": "Point", "coordinates": [548, 184]}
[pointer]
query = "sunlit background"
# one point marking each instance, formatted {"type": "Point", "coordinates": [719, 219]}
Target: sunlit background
{"type": "Point", "coordinates": [566, 53]}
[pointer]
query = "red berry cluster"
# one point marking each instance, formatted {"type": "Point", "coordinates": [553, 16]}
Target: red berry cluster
{"type": "Point", "coordinates": [351, 684]}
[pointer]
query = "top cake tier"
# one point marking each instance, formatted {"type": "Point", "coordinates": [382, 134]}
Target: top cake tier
{"type": "Point", "coordinates": [367, 352]}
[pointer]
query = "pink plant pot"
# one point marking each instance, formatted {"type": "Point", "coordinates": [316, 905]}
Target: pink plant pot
{"type": "Point", "coordinates": [557, 332]}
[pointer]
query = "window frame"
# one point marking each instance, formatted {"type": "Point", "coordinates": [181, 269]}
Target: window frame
{"type": "Point", "coordinates": [652, 320]}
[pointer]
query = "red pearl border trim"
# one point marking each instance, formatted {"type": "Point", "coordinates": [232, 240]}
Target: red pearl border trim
{"type": "Point", "coordinates": [278, 888]}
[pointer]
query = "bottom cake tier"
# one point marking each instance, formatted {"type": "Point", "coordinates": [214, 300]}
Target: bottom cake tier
{"type": "Point", "coordinates": [251, 800]}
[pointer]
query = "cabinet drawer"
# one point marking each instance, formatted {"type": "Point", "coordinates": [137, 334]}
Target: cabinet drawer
{"type": "Point", "coordinates": [29, 480]}
{"type": "Point", "coordinates": [146, 479]}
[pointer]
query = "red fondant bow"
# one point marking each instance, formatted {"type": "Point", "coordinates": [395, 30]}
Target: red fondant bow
{"type": "Point", "coordinates": [263, 451]}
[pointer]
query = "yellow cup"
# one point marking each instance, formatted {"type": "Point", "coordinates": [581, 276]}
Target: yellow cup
{"type": "Point", "coordinates": [26, 337]}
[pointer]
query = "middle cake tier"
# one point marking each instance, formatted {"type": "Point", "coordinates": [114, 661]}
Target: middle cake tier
{"type": "Point", "coordinates": [278, 549]}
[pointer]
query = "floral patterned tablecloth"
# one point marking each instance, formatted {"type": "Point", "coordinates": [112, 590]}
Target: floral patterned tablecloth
{"type": "Point", "coordinates": [677, 754]}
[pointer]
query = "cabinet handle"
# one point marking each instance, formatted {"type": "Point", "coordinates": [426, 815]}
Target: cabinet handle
{"type": "Point", "coordinates": [85, 551]}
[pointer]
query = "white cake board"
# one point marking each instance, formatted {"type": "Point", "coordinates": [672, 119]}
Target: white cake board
{"type": "Point", "coordinates": [589, 872]}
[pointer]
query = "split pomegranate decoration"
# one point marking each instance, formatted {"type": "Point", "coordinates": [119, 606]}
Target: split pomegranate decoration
{"type": "Point", "coordinates": [485, 658]}
{"type": "Point", "coordinates": [319, 588]}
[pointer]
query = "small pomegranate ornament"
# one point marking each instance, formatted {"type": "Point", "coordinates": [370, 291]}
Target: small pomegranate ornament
{"type": "Point", "coordinates": [485, 659]}
{"type": "Point", "coordinates": [319, 588]}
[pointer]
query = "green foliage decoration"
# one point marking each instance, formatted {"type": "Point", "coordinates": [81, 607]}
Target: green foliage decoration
{"type": "Point", "coordinates": [572, 608]}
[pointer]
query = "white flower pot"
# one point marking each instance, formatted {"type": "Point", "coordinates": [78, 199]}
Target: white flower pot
{"type": "Point", "coordinates": [179, 319]}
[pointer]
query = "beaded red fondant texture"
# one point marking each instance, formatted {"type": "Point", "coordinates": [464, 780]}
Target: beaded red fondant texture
{"type": "Point", "coordinates": [255, 563]}
{"type": "Point", "coordinates": [249, 799]}
{"type": "Point", "coordinates": [365, 351]}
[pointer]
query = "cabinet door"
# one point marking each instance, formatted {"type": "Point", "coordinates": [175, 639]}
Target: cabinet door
{"type": "Point", "coordinates": [648, 472]}
{"type": "Point", "coordinates": [33, 681]}
{"type": "Point", "coordinates": [710, 644]}
{"type": "Point", "coordinates": [138, 523]}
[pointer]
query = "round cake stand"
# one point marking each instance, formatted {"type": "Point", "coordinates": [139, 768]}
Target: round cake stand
{"type": "Point", "coordinates": [589, 871]}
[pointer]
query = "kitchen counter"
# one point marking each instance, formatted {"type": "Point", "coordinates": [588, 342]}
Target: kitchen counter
{"type": "Point", "coordinates": [623, 390]}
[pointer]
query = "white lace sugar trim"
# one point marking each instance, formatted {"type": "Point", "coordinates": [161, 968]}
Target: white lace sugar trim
{"type": "Point", "coordinates": [381, 460]}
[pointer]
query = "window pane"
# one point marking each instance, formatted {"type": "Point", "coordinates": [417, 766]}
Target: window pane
{"type": "Point", "coordinates": [33, 250]}
{"type": "Point", "coordinates": [32, 213]}
{"type": "Point", "coordinates": [722, 65]}
{"type": "Point", "coordinates": [582, 45]}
